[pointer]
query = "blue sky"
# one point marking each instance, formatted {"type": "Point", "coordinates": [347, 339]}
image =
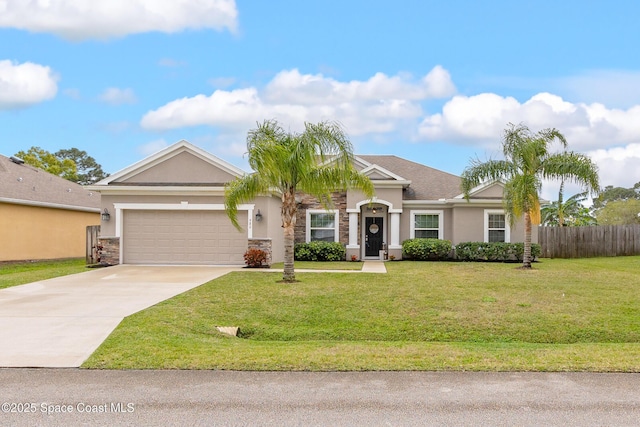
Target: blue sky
{"type": "Point", "coordinates": [435, 82]}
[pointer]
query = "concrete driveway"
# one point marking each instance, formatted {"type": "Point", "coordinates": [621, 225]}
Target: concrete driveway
{"type": "Point", "coordinates": [60, 322]}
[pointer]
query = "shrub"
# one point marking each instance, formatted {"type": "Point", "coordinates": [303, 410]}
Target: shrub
{"type": "Point", "coordinates": [255, 258]}
{"type": "Point", "coordinates": [320, 251]}
{"type": "Point", "coordinates": [426, 249]}
{"type": "Point", "coordinates": [494, 251]}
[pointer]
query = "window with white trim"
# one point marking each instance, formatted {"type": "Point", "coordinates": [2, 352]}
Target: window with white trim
{"type": "Point", "coordinates": [427, 224]}
{"type": "Point", "coordinates": [322, 225]}
{"type": "Point", "coordinates": [496, 227]}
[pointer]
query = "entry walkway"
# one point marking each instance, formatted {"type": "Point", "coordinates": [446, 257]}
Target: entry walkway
{"type": "Point", "coordinates": [374, 267]}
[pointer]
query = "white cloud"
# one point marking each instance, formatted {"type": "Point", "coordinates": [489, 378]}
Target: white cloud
{"type": "Point", "coordinates": [82, 19]}
{"type": "Point", "coordinates": [378, 105]}
{"type": "Point", "coordinates": [618, 166]}
{"type": "Point", "coordinates": [25, 84]}
{"type": "Point", "coordinates": [292, 87]}
{"type": "Point", "coordinates": [116, 96]}
{"type": "Point", "coordinates": [480, 119]}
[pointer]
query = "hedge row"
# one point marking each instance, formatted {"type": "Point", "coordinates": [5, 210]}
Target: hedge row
{"type": "Point", "coordinates": [319, 251]}
{"type": "Point", "coordinates": [425, 250]}
{"type": "Point", "coordinates": [435, 249]}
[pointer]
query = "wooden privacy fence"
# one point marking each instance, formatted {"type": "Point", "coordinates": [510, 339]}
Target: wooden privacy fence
{"type": "Point", "coordinates": [92, 256]}
{"type": "Point", "coordinates": [591, 241]}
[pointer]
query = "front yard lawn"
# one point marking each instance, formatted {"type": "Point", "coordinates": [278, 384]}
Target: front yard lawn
{"type": "Point", "coordinates": [19, 273]}
{"type": "Point", "coordinates": [577, 315]}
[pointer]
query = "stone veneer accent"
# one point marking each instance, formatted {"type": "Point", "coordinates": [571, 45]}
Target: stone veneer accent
{"type": "Point", "coordinates": [110, 253]}
{"type": "Point", "coordinates": [262, 244]}
{"type": "Point", "coordinates": [339, 201]}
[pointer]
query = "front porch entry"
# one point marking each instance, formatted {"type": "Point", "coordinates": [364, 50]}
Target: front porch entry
{"type": "Point", "coordinates": [374, 240]}
{"type": "Point", "coordinates": [372, 229]}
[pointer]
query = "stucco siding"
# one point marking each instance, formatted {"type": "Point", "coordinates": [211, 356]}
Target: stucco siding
{"type": "Point", "coordinates": [181, 168]}
{"type": "Point", "coordinates": [492, 192]}
{"type": "Point", "coordinates": [468, 225]}
{"type": "Point", "coordinates": [270, 226]}
{"type": "Point", "coordinates": [29, 232]}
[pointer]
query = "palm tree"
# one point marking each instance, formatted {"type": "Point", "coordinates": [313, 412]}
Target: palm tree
{"type": "Point", "coordinates": [527, 161]}
{"type": "Point", "coordinates": [317, 161]}
{"type": "Point", "coordinates": [567, 213]}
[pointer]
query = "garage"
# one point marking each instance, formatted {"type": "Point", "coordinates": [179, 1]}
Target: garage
{"type": "Point", "coordinates": [182, 237]}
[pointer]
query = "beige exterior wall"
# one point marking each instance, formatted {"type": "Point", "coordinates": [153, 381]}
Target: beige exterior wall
{"type": "Point", "coordinates": [183, 167]}
{"type": "Point", "coordinates": [270, 226]}
{"type": "Point", "coordinates": [391, 195]}
{"type": "Point", "coordinates": [405, 220]}
{"type": "Point", "coordinates": [462, 224]}
{"type": "Point", "coordinates": [468, 226]}
{"type": "Point", "coordinates": [492, 192]}
{"type": "Point", "coordinates": [30, 233]}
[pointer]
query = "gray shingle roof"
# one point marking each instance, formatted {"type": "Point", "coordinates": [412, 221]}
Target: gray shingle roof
{"type": "Point", "coordinates": [22, 183]}
{"type": "Point", "coordinates": [426, 183]}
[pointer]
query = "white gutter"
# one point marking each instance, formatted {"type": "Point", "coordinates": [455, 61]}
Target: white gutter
{"type": "Point", "coordinates": [48, 205]}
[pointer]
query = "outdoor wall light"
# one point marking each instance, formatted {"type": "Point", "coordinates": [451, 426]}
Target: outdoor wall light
{"type": "Point", "coordinates": [105, 215]}
{"type": "Point", "coordinates": [258, 216]}
{"type": "Point", "coordinates": [373, 211]}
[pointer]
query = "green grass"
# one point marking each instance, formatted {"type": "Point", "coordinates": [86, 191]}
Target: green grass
{"type": "Point", "coordinates": [19, 273]}
{"type": "Point", "coordinates": [322, 265]}
{"type": "Point", "coordinates": [578, 315]}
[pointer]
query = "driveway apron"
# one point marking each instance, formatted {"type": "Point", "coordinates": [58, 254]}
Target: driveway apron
{"type": "Point", "coordinates": [60, 322]}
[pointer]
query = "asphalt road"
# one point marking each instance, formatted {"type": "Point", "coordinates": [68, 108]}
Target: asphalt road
{"type": "Point", "coordinates": [71, 397]}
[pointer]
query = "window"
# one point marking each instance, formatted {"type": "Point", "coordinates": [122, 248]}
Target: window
{"type": "Point", "coordinates": [322, 225]}
{"type": "Point", "coordinates": [426, 224]}
{"type": "Point", "coordinates": [496, 228]}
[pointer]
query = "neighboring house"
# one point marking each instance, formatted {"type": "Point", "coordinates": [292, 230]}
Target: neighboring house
{"type": "Point", "coordinates": [169, 209]}
{"type": "Point", "coordinates": [42, 216]}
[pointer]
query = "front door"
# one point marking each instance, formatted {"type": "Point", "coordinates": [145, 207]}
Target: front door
{"type": "Point", "coordinates": [373, 237]}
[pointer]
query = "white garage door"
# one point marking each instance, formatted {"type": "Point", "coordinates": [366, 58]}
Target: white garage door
{"type": "Point", "coordinates": [182, 237]}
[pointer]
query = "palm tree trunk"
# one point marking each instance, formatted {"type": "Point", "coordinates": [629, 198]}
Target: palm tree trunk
{"type": "Point", "coordinates": [560, 206]}
{"type": "Point", "coordinates": [289, 210]}
{"type": "Point", "coordinates": [526, 259]}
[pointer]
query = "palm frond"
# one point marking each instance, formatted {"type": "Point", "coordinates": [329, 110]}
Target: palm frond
{"type": "Point", "coordinates": [479, 172]}
{"type": "Point", "coordinates": [240, 191]}
{"type": "Point", "coordinates": [572, 167]}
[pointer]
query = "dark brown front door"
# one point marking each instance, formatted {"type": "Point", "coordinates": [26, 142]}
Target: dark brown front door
{"type": "Point", "coordinates": [373, 236]}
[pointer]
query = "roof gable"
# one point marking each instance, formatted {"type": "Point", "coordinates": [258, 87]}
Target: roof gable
{"type": "Point", "coordinates": [426, 183]}
{"type": "Point", "coordinates": [25, 184]}
{"type": "Point", "coordinates": [376, 172]}
{"type": "Point", "coordinates": [179, 164]}
{"type": "Point", "coordinates": [486, 190]}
